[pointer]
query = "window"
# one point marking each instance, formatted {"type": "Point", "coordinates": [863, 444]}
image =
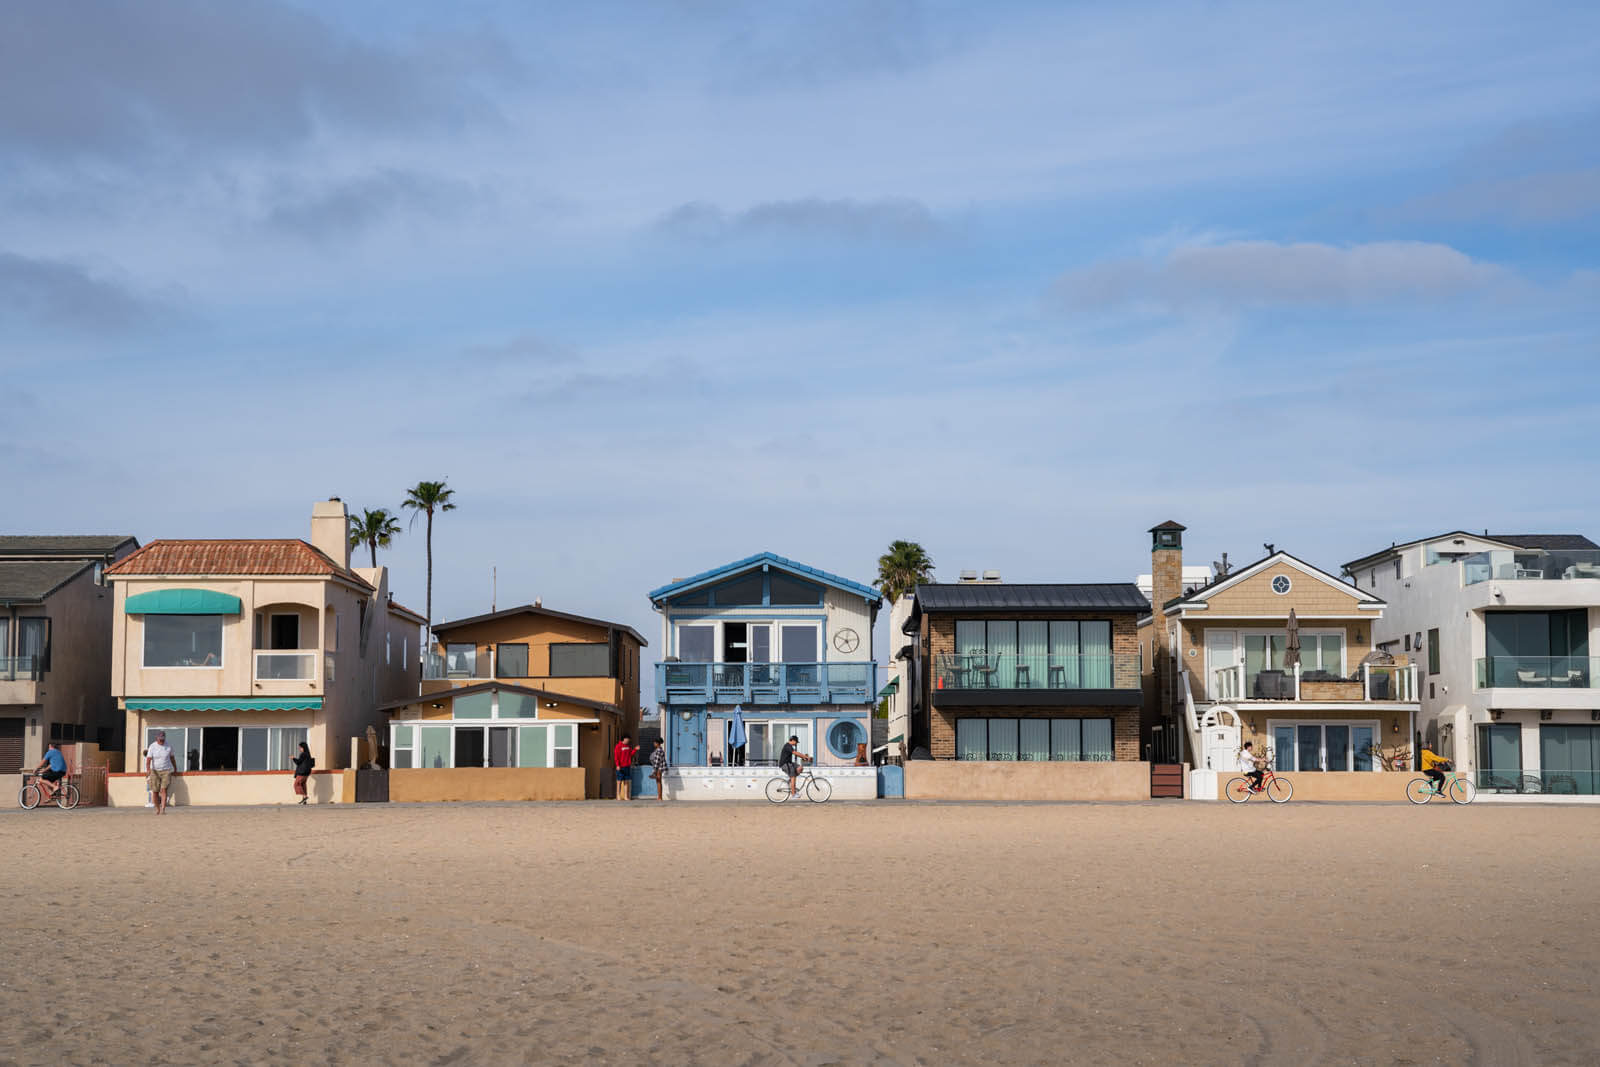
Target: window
{"type": "Point", "coordinates": [1281, 584]}
{"type": "Point", "coordinates": [67, 731]}
{"type": "Point", "coordinates": [697, 644]}
{"type": "Point", "coordinates": [461, 661]}
{"type": "Point", "coordinates": [793, 592]}
{"type": "Point", "coordinates": [799, 643]}
{"type": "Point", "coordinates": [1034, 740]}
{"type": "Point", "coordinates": [231, 748]}
{"type": "Point", "coordinates": [1397, 570]}
{"type": "Point", "coordinates": [1569, 758]}
{"type": "Point", "coordinates": [33, 642]}
{"type": "Point", "coordinates": [1324, 746]}
{"type": "Point", "coordinates": [580, 661]}
{"type": "Point", "coordinates": [183, 641]}
{"type": "Point", "coordinates": [1322, 652]}
{"type": "Point", "coordinates": [1031, 654]}
{"type": "Point", "coordinates": [745, 590]}
{"type": "Point", "coordinates": [1408, 642]}
{"type": "Point", "coordinates": [332, 641]}
{"type": "Point", "coordinates": [765, 739]}
{"type": "Point", "coordinates": [1537, 648]}
{"type": "Point", "coordinates": [285, 632]}
{"type": "Point", "coordinates": [426, 745]}
{"type": "Point", "coordinates": [1433, 654]}
{"type": "Point", "coordinates": [388, 648]}
{"type": "Point", "coordinates": [511, 661]}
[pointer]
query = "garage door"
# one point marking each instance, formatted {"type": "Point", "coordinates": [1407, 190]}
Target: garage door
{"type": "Point", "coordinates": [10, 745]}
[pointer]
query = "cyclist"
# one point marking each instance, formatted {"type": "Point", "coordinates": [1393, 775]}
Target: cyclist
{"type": "Point", "coordinates": [1251, 764]}
{"type": "Point", "coordinates": [1434, 766]}
{"type": "Point", "coordinates": [51, 770]}
{"type": "Point", "coordinates": [789, 760]}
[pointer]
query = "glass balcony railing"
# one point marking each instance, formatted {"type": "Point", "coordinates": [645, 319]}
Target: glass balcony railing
{"type": "Point", "coordinates": [1537, 672]}
{"type": "Point", "coordinates": [286, 666]}
{"type": "Point", "coordinates": [1504, 565]}
{"type": "Point", "coordinates": [766, 683]}
{"type": "Point", "coordinates": [1579, 783]}
{"type": "Point", "coordinates": [1013, 670]}
{"type": "Point", "coordinates": [19, 669]}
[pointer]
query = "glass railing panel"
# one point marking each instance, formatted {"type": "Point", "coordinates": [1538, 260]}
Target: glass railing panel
{"type": "Point", "coordinates": [1537, 672]}
{"type": "Point", "coordinates": [1549, 565]}
{"type": "Point", "coordinates": [1579, 783]}
{"type": "Point", "coordinates": [1012, 670]}
{"type": "Point", "coordinates": [286, 666]}
{"type": "Point", "coordinates": [19, 669]}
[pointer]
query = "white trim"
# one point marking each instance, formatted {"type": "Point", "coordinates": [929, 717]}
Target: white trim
{"type": "Point", "coordinates": [1324, 577]}
{"type": "Point", "coordinates": [1318, 616]}
{"type": "Point", "coordinates": [144, 641]}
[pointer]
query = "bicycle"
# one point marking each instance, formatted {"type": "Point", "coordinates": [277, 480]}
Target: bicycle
{"type": "Point", "coordinates": [32, 794]}
{"type": "Point", "coordinates": [817, 790]}
{"type": "Point", "coordinates": [1278, 790]}
{"type": "Point", "coordinates": [1457, 788]}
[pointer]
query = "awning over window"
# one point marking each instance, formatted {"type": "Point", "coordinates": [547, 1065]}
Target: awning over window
{"type": "Point", "coordinates": [225, 704]}
{"type": "Point", "coordinates": [183, 602]}
{"type": "Point", "coordinates": [892, 687]}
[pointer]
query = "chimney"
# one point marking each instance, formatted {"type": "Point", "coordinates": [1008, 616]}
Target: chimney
{"type": "Point", "coordinates": [1166, 564]}
{"type": "Point", "coordinates": [330, 530]}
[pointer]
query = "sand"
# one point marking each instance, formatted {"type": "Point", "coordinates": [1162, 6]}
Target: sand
{"type": "Point", "coordinates": [753, 934]}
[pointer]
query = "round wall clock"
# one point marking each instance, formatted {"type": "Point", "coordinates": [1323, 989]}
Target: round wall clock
{"type": "Point", "coordinates": [846, 640]}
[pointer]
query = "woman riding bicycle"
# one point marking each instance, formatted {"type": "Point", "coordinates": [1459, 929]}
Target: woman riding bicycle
{"type": "Point", "coordinates": [1434, 766]}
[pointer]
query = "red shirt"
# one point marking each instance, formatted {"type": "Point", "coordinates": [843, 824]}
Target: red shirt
{"type": "Point", "coordinates": [622, 754]}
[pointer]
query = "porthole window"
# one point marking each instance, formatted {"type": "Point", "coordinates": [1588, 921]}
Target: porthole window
{"type": "Point", "coordinates": [1281, 584]}
{"type": "Point", "coordinates": [843, 737]}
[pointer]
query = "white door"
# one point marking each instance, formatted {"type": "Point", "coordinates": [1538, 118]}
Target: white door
{"type": "Point", "coordinates": [1222, 650]}
{"type": "Point", "coordinates": [1222, 748]}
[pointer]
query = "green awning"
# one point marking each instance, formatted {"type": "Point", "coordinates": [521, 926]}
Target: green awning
{"type": "Point", "coordinates": [892, 687]}
{"type": "Point", "coordinates": [182, 602]}
{"type": "Point", "coordinates": [225, 704]}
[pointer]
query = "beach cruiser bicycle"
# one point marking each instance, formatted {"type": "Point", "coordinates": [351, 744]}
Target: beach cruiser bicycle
{"type": "Point", "coordinates": [32, 793]}
{"type": "Point", "coordinates": [806, 784]}
{"type": "Point", "coordinates": [1457, 788]}
{"type": "Point", "coordinates": [1278, 790]}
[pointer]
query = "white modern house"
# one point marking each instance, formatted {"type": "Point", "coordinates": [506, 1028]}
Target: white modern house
{"type": "Point", "coordinates": [1503, 626]}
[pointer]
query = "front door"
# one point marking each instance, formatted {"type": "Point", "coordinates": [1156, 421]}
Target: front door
{"type": "Point", "coordinates": [687, 738]}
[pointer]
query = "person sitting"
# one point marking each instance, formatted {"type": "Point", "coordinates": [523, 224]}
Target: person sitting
{"type": "Point", "coordinates": [1251, 764]}
{"type": "Point", "coordinates": [789, 760]}
{"type": "Point", "coordinates": [51, 770]}
{"type": "Point", "coordinates": [1434, 766]}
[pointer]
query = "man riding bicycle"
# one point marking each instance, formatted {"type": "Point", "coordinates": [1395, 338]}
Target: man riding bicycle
{"type": "Point", "coordinates": [51, 770]}
{"type": "Point", "coordinates": [789, 760]}
{"type": "Point", "coordinates": [1434, 766]}
{"type": "Point", "coordinates": [1251, 765]}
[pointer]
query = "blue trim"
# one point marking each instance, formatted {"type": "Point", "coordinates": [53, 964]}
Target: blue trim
{"type": "Point", "coordinates": [675, 620]}
{"type": "Point", "coordinates": [800, 570]}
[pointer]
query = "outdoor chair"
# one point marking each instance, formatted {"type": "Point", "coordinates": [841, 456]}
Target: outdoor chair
{"type": "Point", "coordinates": [1527, 676]}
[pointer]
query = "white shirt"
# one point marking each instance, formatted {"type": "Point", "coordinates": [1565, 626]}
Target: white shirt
{"type": "Point", "coordinates": [159, 756]}
{"type": "Point", "coordinates": [1247, 761]}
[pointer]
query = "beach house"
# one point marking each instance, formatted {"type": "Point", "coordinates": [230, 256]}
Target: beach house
{"type": "Point", "coordinates": [241, 649]}
{"type": "Point", "coordinates": [1505, 627]}
{"type": "Point", "coordinates": [520, 704]}
{"type": "Point", "coordinates": [1282, 654]}
{"type": "Point", "coordinates": [772, 648]}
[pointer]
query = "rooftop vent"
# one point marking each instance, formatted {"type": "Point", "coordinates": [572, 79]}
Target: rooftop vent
{"type": "Point", "coordinates": [991, 576]}
{"type": "Point", "coordinates": [969, 576]}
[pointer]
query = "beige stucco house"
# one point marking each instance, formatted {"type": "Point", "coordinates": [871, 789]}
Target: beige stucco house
{"type": "Point", "coordinates": [241, 649]}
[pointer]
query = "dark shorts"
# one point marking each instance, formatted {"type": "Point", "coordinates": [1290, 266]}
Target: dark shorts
{"type": "Point", "coordinates": [791, 769]}
{"type": "Point", "coordinates": [624, 774]}
{"type": "Point", "coordinates": [52, 775]}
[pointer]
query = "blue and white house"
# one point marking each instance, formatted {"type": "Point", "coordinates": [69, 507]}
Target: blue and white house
{"type": "Point", "coordinates": [784, 647]}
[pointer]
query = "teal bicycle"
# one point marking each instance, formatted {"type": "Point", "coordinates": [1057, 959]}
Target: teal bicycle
{"type": "Point", "coordinates": [1458, 788]}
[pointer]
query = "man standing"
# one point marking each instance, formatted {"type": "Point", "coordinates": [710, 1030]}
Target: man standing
{"type": "Point", "coordinates": [158, 759]}
{"type": "Point", "coordinates": [622, 756]}
{"type": "Point", "coordinates": [658, 767]}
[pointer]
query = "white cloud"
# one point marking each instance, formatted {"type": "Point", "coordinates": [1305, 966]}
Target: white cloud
{"type": "Point", "coordinates": [893, 219]}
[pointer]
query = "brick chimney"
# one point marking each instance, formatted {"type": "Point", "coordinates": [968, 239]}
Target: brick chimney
{"type": "Point", "coordinates": [1166, 564]}
{"type": "Point", "coordinates": [330, 530]}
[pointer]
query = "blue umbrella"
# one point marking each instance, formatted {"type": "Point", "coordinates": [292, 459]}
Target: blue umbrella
{"type": "Point", "coordinates": [736, 736]}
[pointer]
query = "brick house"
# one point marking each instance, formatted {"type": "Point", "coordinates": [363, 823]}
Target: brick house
{"type": "Point", "coordinates": [1026, 673]}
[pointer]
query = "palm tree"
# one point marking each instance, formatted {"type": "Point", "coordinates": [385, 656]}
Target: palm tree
{"type": "Point", "coordinates": [375, 529]}
{"type": "Point", "coordinates": [425, 498]}
{"type": "Point", "coordinates": [901, 569]}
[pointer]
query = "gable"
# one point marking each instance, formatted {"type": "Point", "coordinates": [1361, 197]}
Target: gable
{"type": "Point", "coordinates": [783, 583]}
{"type": "Point", "coordinates": [1307, 595]}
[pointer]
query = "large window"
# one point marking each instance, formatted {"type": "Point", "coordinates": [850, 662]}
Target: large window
{"type": "Point", "coordinates": [230, 748]}
{"type": "Point", "coordinates": [553, 744]}
{"type": "Point", "coordinates": [1569, 757]}
{"type": "Point", "coordinates": [33, 642]}
{"type": "Point", "coordinates": [183, 641]}
{"type": "Point", "coordinates": [1032, 654]}
{"type": "Point", "coordinates": [511, 661]}
{"type": "Point", "coordinates": [461, 660]}
{"type": "Point", "coordinates": [799, 643]}
{"type": "Point", "coordinates": [698, 643]}
{"type": "Point", "coordinates": [1537, 648]}
{"type": "Point", "coordinates": [1324, 746]}
{"type": "Point", "coordinates": [1035, 740]}
{"type": "Point", "coordinates": [580, 661]}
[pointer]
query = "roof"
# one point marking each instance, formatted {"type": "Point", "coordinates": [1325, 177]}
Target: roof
{"type": "Point", "coordinates": [772, 559]}
{"type": "Point", "coordinates": [1235, 577]}
{"type": "Point", "coordinates": [85, 546]}
{"type": "Point", "coordinates": [31, 580]}
{"type": "Point", "coordinates": [1168, 525]}
{"type": "Point", "coordinates": [1393, 549]}
{"type": "Point", "coordinates": [401, 609]}
{"type": "Point", "coordinates": [534, 609]}
{"type": "Point", "coordinates": [1554, 542]}
{"type": "Point", "coordinates": [1004, 596]}
{"type": "Point", "coordinates": [484, 687]}
{"type": "Point", "coordinates": [193, 558]}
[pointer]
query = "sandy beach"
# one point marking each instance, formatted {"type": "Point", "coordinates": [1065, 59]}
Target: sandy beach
{"type": "Point", "coordinates": [744, 934]}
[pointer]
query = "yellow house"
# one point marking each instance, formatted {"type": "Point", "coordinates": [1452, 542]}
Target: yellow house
{"type": "Point", "coordinates": [521, 704]}
{"type": "Point", "coordinates": [1279, 653]}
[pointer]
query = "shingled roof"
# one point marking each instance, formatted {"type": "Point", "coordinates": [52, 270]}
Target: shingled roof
{"type": "Point", "coordinates": [71, 546]}
{"type": "Point", "coordinates": [1552, 542]}
{"type": "Point", "coordinates": [228, 558]}
{"type": "Point", "coordinates": [33, 580]}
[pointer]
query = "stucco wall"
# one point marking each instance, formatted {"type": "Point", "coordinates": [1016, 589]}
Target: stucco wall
{"type": "Point", "coordinates": [962, 780]}
{"type": "Point", "coordinates": [77, 687]}
{"type": "Point", "coordinates": [486, 783]}
{"type": "Point", "coordinates": [209, 788]}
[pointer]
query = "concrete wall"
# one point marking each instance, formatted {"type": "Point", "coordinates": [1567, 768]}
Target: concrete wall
{"type": "Point", "coordinates": [750, 783]}
{"type": "Point", "coordinates": [207, 788]}
{"type": "Point", "coordinates": [961, 780]}
{"type": "Point", "coordinates": [486, 783]}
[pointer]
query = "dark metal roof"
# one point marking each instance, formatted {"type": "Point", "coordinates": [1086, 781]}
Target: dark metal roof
{"type": "Point", "coordinates": [81, 547]}
{"type": "Point", "coordinates": [1554, 542]}
{"type": "Point", "coordinates": [1005, 596]}
{"type": "Point", "coordinates": [32, 580]}
{"type": "Point", "coordinates": [1168, 525]}
{"type": "Point", "coordinates": [529, 609]}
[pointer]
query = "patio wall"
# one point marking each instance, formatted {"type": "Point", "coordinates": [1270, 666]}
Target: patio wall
{"type": "Point", "coordinates": [429, 784]}
{"type": "Point", "coordinates": [977, 780]}
{"type": "Point", "coordinates": [750, 783]}
{"type": "Point", "coordinates": [204, 788]}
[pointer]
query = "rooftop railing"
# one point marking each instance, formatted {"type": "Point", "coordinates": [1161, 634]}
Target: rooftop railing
{"type": "Point", "coordinates": [1504, 565]}
{"type": "Point", "coordinates": [1537, 672]}
{"type": "Point", "coordinates": [1019, 670]}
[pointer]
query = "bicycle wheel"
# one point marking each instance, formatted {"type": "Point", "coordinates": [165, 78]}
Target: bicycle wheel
{"type": "Point", "coordinates": [1419, 790]}
{"type": "Point", "coordinates": [67, 798]}
{"type": "Point", "coordinates": [778, 790]}
{"type": "Point", "coordinates": [1462, 791]}
{"type": "Point", "coordinates": [1280, 790]}
{"type": "Point", "coordinates": [818, 790]}
{"type": "Point", "coordinates": [29, 797]}
{"type": "Point", "coordinates": [1237, 790]}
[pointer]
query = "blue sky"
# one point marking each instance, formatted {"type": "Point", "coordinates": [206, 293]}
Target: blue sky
{"type": "Point", "coordinates": [657, 286]}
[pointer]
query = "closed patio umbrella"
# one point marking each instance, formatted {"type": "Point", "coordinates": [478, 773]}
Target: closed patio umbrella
{"type": "Point", "coordinates": [736, 736]}
{"type": "Point", "coordinates": [1291, 648]}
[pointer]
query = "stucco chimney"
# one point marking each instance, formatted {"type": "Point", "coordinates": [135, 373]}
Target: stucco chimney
{"type": "Point", "coordinates": [330, 530]}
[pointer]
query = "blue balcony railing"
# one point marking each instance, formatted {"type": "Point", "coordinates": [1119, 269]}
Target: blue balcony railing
{"type": "Point", "coordinates": [766, 683]}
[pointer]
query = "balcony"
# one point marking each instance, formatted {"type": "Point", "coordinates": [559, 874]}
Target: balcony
{"type": "Point", "coordinates": [766, 683]}
{"type": "Point", "coordinates": [1537, 672]}
{"type": "Point", "coordinates": [1504, 565]}
{"type": "Point", "coordinates": [995, 678]}
{"type": "Point", "coordinates": [19, 680]}
{"type": "Point", "coordinates": [1372, 682]}
{"type": "Point", "coordinates": [457, 668]}
{"type": "Point", "coordinates": [280, 666]}
{"type": "Point", "coordinates": [1580, 783]}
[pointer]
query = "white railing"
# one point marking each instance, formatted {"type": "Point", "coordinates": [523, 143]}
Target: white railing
{"type": "Point", "coordinates": [1227, 683]}
{"type": "Point", "coordinates": [286, 666]}
{"type": "Point", "coordinates": [1396, 682]}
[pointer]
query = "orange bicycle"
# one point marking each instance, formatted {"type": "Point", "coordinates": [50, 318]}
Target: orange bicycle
{"type": "Point", "coordinates": [1278, 789]}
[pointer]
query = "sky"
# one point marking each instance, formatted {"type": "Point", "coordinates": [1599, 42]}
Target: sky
{"type": "Point", "coordinates": [657, 286]}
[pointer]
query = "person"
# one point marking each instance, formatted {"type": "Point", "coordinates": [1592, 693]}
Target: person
{"type": "Point", "coordinates": [1434, 766]}
{"type": "Point", "coordinates": [158, 760]}
{"type": "Point", "coordinates": [622, 756]}
{"type": "Point", "coordinates": [51, 770]}
{"type": "Point", "coordinates": [789, 759]}
{"type": "Point", "coordinates": [302, 771]}
{"type": "Point", "coordinates": [658, 767]}
{"type": "Point", "coordinates": [1250, 763]}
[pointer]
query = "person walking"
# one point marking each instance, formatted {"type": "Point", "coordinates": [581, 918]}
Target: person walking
{"type": "Point", "coordinates": [658, 767]}
{"type": "Point", "coordinates": [622, 756]}
{"type": "Point", "coordinates": [302, 771]}
{"type": "Point", "coordinates": [158, 761]}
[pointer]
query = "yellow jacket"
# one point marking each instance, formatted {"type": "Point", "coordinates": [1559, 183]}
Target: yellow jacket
{"type": "Point", "coordinates": [1430, 760]}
